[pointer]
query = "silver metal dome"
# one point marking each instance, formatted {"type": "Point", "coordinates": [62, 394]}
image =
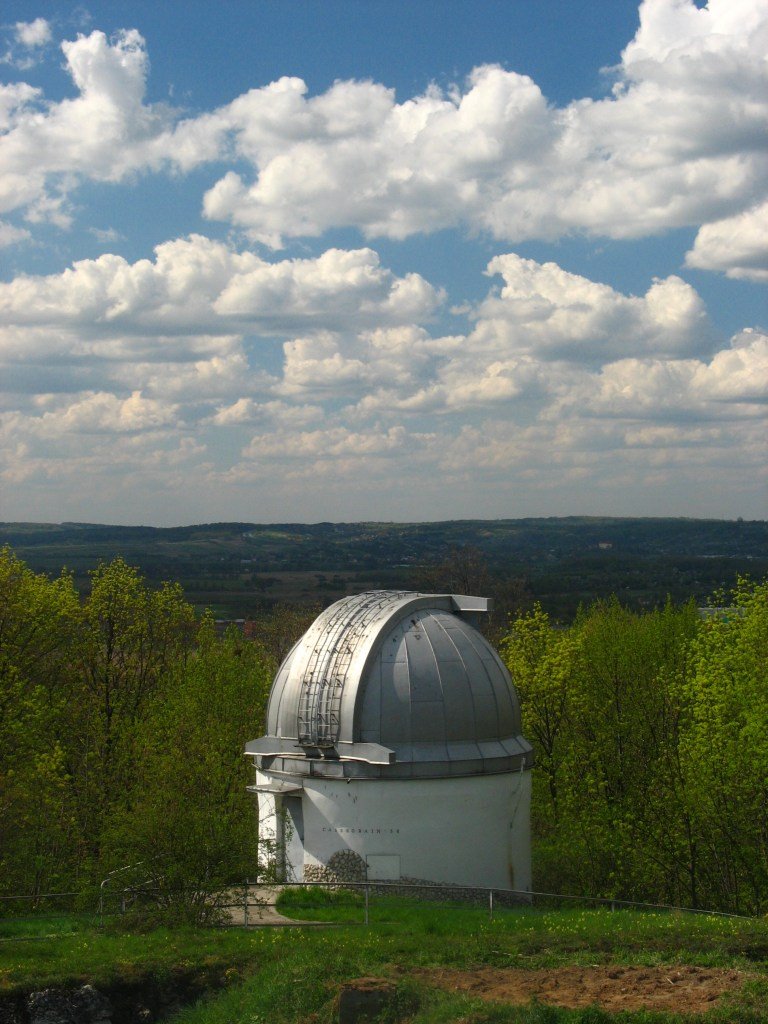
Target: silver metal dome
{"type": "Point", "coordinates": [393, 684]}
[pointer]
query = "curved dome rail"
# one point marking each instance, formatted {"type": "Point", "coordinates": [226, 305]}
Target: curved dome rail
{"type": "Point", "coordinates": [322, 685]}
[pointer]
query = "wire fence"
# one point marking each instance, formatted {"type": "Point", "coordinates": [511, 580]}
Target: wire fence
{"type": "Point", "coordinates": [252, 904]}
{"type": "Point", "coordinates": [495, 900]}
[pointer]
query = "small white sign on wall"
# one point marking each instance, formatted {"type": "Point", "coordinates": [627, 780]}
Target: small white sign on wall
{"type": "Point", "coordinates": [383, 867]}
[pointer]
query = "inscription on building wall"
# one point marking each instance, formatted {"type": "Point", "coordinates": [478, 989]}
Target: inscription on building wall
{"type": "Point", "coordinates": [343, 830]}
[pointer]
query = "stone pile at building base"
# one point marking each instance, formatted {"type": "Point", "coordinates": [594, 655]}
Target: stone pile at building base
{"type": "Point", "coordinates": [346, 867]}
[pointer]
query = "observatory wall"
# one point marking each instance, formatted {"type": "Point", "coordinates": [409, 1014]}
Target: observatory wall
{"type": "Point", "coordinates": [453, 830]}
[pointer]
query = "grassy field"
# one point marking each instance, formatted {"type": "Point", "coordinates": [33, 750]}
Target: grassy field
{"type": "Point", "coordinates": [428, 951]}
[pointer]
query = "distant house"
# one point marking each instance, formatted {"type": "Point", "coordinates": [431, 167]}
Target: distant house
{"type": "Point", "coordinates": [709, 613]}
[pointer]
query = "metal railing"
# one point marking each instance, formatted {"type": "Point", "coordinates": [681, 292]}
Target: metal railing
{"type": "Point", "coordinates": [255, 904]}
{"type": "Point", "coordinates": [494, 898]}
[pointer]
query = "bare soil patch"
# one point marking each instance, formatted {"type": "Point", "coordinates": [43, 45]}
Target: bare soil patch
{"type": "Point", "coordinates": [676, 989]}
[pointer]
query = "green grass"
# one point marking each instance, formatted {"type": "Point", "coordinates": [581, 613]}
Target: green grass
{"type": "Point", "coordinates": [403, 934]}
{"type": "Point", "coordinates": [90, 954]}
{"type": "Point", "coordinates": [289, 975]}
{"type": "Point", "coordinates": [44, 926]}
{"type": "Point", "coordinates": [547, 938]}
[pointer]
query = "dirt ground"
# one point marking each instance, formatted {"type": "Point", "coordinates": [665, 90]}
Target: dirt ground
{"type": "Point", "coordinates": [675, 989]}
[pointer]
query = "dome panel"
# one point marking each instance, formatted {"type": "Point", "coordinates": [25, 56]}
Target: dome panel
{"type": "Point", "coordinates": [427, 721]}
{"type": "Point", "coordinates": [486, 717]}
{"type": "Point", "coordinates": [459, 706]}
{"type": "Point", "coordinates": [423, 668]}
{"type": "Point", "coordinates": [440, 639]}
{"type": "Point", "coordinates": [395, 680]}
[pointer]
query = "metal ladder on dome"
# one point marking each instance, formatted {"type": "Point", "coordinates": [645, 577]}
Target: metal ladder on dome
{"type": "Point", "coordinates": [319, 716]}
{"type": "Point", "coordinates": [315, 682]}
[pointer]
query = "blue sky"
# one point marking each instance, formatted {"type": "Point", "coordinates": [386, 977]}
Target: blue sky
{"type": "Point", "coordinates": [382, 260]}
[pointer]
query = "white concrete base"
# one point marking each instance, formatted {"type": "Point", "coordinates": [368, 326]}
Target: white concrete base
{"type": "Point", "coordinates": [466, 831]}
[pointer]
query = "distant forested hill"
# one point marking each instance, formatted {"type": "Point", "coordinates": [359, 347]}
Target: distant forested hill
{"type": "Point", "coordinates": [238, 568]}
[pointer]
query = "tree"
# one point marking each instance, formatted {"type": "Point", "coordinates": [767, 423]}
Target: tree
{"type": "Point", "coordinates": [192, 824]}
{"type": "Point", "coordinates": [725, 748]}
{"type": "Point", "coordinates": [36, 616]}
{"type": "Point", "coordinates": [128, 637]}
{"type": "Point", "coordinates": [122, 725]}
{"type": "Point", "coordinates": [542, 661]}
{"type": "Point", "coordinates": [600, 703]}
{"type": "Point", "coordinates": [625, 729]}
{"type": "Point", "coordinates": [35, 812]}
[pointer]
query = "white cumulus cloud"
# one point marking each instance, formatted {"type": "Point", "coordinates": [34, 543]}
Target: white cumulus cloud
{"type": "Point", "coordinates": [196, 285]}
{"type": "Point", "coordinates": [102, 134]}
{"type": "Point", "coordinates": [546, 310]}
{"type": "Point", "coordinates": [557, 379]}
{"type": "Point", "coordinates": [737, 246]}
{"type": "Point", "coordinates": [678, 142]}
{"type": "Point", "coordinates": [33, 33]}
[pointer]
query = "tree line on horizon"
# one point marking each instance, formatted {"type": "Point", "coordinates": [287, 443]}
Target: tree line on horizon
{"type": "Point", "coordinates": [123, 717]}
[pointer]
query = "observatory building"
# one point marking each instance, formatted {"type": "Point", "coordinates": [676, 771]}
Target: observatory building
{"type": "Point", "coordinates": [393, 749]}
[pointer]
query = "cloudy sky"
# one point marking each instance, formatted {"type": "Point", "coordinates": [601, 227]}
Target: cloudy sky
{"type": "Point", "coordinates": [377, 259]}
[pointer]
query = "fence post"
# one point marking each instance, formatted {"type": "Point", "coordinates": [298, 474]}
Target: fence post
{"type": "Point", "coordinates": [490, 903]}
{"type": "Point", "coordinates": [366, 905]}
{"type": "Point", "coordinates": [245, 903]}
{"type": "Point", "coordinates": [101, 901]}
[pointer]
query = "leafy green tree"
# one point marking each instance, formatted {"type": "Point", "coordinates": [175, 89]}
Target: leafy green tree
{"type": "Point", "coordinates": [542, 661]}
{"type": "Point", "coordinates": [122, 725]}
{"type": "Point", "coordinates": [600, 704]}
{"type": "Point", "coordinates": [725, 749]}
{"type": "Point", "coordinates": [624, 729]}
{"type": "Point", "coordinates": [35, 813]}
{"type": "Point", "coordinates": [36, 616]}
{"type": "Point", "coordinates": [192, 824]}
{"type": "Point", "coordinates": [128, 638]}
